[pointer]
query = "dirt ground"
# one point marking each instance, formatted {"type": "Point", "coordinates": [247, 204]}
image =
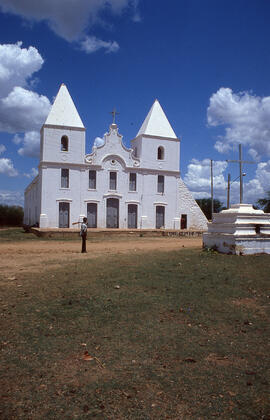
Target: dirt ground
{"type": "Point", "coordinates": [34, 256]}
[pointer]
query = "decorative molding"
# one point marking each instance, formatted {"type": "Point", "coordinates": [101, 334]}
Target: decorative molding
{"type": "Point", "coordinates": [91, 201]}
{"type": "Point", "coordinates": [156, 137]}
{"type": "Point", "coordinates": [112, 195]}
{"type": "Point", "coordinates": [159, 203]}
{"type": "Point", "coordinates": [62, 127]}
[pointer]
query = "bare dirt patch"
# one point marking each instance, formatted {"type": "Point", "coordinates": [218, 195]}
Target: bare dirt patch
{"type": "Point", "coordinates": [250, 303]}
{"type": "Point", "coordinates": [35, 256]}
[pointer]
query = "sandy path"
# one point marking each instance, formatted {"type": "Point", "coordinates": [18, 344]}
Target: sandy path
{"type": "Point", "coordinates": [36, 256]}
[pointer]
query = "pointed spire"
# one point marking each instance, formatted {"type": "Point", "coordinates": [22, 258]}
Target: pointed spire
{"type": "Point", "coordinates": [156, 123]}
{"type": "Point", "coordinates": [63, 112]}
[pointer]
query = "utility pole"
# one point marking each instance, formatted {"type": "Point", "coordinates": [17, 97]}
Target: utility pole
{"type": "Point", "coordinates": [240, 161]}
{"type": "Point", "coordinates": [228, 191]}
{"type": "Point", "coordinates": [212, 189]}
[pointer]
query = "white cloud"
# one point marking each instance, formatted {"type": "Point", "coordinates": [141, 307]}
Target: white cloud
{"type": "Point", "coordinates": [32, 174]}
{"type": "Point", "coordinates": [7, 168]}
{"type": "Point", "coordinates": [198, 181]}
{"type": "Point", "coordinates": [2, 148]}
{"type": "Point", "coordinates": [198, 177]}
{"type": "Point", "coordinates": [17, 66]}
{"type": "Point", "coordinates": [23, 110]}
{"type": "Point", "coordinates": [67, 18]}
{"type": "Point", "coordinates": [92, 44]}
{"type": "Point", "coordinates": [98, 142]}
{"type": "Point", "coordinates": [11, 198]}
{"type": "Point", "coordinates": [246, 119]}
{"type": "Point", "coordinates": [30, 144]}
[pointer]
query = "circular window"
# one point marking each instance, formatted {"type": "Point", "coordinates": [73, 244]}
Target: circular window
{"type": "Point", "coordinates": [113, 162]}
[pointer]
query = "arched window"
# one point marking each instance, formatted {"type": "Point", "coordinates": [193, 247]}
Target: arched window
{"type": "Point", "coordinates": [160, 153]}
{"type": "Point", "coordinates": [64, 144]}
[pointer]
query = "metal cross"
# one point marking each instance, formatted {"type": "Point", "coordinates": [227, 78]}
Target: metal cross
{"type": "Point", "coordinates": [114, 113]}
{"type": "Point", "coordinates": [240, 161]}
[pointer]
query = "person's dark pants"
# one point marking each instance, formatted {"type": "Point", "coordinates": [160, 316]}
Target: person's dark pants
{"type": "Point", "coordinates": [84, 236]}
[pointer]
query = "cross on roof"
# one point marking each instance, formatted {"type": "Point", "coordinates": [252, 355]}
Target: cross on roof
{"type": "Point", "coordinates": [114, 113]}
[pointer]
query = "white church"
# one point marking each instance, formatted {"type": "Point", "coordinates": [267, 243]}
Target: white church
{"type": "Point", "coordinates": [113, 186]}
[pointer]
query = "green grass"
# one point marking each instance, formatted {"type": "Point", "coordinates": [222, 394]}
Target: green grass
{"type": "Point", "coordinates": [16, 234]}
{"type": "Point", "coordinates": [185, 336]}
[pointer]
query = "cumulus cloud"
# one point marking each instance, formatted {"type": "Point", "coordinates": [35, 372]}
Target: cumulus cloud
{"type": "Point", "coordinates": [246, 119]}
{"type": "Point", "coordinates": [30, 144]}
{"type": "Point", "coordinates": [11, 198]}
{"type": "Point", "coordinates": [92, 44]}
{"type": "Point", "coordinates": [21, 109]}
{"type": "Point", "coordinates": [32, 174]}
{"type": "Point", "coordinates": [198, 181]}
{"type": "Point", "coordinates": [17, 66]}
{"type": "Point", "coordinates": [67, 18]}
{"type": "Point", "coordinates": [7, 168]}
{"type": "Point", "coordinates": [98, 142]}
{"type": "Point", "coordinates": [198, 177]}
{"type": "Point", "coordinates": [2, 148]}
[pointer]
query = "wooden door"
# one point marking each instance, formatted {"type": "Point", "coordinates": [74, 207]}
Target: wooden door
{"type": "Point", "coordinates": [112, 219]}
{"type": "Point", "coordinates": [183, 221]}
{"type": "Point", "coordinates": [92, 215]}
{"type": "Point", "coordinates": [63, 215]}
{"type": "Point", "coordinates": [160, 217]}
{"type": "Point", "coordinates": [132, 216]}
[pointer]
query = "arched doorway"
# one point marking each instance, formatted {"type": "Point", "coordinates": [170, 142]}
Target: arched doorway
{"type": "Point", "coordinates": [112, 217]}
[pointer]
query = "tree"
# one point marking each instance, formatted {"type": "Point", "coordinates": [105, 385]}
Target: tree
{"type": "Point", "coordinates": [264, 203]}
{"type": "Point", "coordinates": [11, 215]}
{"type": "Point", "coordinates": [206, 203]}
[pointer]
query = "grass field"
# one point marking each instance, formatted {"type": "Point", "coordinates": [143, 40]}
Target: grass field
{"type": "Point", "coordinates": [165, 335]}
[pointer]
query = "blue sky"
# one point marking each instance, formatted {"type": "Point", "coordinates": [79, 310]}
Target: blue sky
{"type": "Point", "coordinates": [207, 62]}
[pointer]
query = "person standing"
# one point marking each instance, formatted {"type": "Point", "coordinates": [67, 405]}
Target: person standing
{"type": "Point", "coordinates": [83, 233]}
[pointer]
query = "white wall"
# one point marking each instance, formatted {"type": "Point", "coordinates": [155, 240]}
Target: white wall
{"type": "Point", "coordinates": [51, 145]}
{"type": "Point", "coordinates": [147, 147]}
{"type": "Point", "coordinates": [32, 202]}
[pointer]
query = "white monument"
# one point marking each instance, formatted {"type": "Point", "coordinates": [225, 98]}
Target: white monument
{"type": "Point", "coordinates": [239, 230]}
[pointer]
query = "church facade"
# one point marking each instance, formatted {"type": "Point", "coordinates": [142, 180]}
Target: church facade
{"type": "Point", "coordinates": [113, 186]}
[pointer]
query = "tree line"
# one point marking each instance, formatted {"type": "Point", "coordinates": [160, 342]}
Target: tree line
{"type": "Point", "coordinates": [11, 215]}
{"type": "Point", "coordinates": [205, 205]}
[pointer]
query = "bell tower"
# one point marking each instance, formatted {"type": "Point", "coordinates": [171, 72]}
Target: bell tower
{"type": "Point", "coordinates": [63, 134]}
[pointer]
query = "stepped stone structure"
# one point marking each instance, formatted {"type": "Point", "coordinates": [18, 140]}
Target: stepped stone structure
{"type": "Point", "coordinates": [114, 186]}
{"type": "Point", "coordinates": [239, 230]}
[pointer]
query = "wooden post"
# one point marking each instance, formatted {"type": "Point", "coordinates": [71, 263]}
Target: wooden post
{"type": "Point", "coordinates": [212, 189]}
{"type": "Point", "coordinates": [228, 191]}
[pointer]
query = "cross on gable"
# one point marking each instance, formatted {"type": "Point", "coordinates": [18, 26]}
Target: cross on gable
{"type": "Point", "coordinates": [114, 113]}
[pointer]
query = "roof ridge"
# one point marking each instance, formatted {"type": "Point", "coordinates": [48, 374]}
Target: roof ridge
{"type": "Point", "coordinates": [63, 111]}
{"type": "Point", "coordinates": [156, 123]}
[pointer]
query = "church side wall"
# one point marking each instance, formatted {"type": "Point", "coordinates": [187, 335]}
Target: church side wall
{"type": "Point", "coordinates": [32, 203]}
{"type": "Point", "coordinates": [195, 217]}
